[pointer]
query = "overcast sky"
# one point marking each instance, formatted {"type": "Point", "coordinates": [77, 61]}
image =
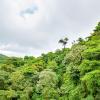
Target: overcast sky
{"type": "Point", "coordinates": [32, 27]}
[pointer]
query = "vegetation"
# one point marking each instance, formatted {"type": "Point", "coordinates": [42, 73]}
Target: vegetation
{"type": "Point", "coordinates": [67, 74]}
{"type": "Point", "coordinates": [3, 58]}
{"type": "Point", "coordinates": [63, 41]}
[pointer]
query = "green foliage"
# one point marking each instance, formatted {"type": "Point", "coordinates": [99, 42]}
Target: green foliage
{"type": "Point", "coordinates": [52, 65]}
{"type": "Point", "coordinates": [47, 84]}
{"type": "Point", "coordinates": [4, 76]}
{"type": "Point", "coordinates": [92, 54]}
{"type": "Point", "coordinates": [92, 80]}
{"type": "Point", "coordinates": [15, 61]}
{"type": "Point", "coordinates": [97, 29]}
{"type": "Point", "coordinates": [67, 74]}
{"type": "Point", "coordinates": [75, 55]}
{"type": "Point", "coordinates": [3, 59]}
{"type": "Point", "coordinates": [87, 66]}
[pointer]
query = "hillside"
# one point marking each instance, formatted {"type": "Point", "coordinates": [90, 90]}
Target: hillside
{"type": "Point", "coordinates": [2, 58]}
{"type": "Point", "coordinates": [67, 74]}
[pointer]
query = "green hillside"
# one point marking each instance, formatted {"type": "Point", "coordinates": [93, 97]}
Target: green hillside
{"type": "Point", "coordinates": [3, 58]}
{"type": "Point", "coordinates": [66, 74]}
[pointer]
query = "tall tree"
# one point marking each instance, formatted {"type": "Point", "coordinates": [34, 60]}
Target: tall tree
{"type": "Point", "coordinates": [63, 41]}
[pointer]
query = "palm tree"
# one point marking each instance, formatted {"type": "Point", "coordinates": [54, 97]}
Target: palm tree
{"type": "Point", "coordinates": [64, 41]}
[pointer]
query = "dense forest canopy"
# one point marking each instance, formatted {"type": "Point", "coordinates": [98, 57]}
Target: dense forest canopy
{"type": "Point", "coordinates": [67, 74]}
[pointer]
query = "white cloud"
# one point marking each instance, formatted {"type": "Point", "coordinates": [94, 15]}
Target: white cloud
{"type": "Point", "coordinates": [41, 31]}
{"type": "Point", "coordinates": [29, 11]}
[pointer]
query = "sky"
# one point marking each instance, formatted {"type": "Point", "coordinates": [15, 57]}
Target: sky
{"type": "Point", "coordinates": [32, 27]}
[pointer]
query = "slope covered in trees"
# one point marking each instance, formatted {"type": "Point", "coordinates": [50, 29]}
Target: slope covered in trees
{"type": "Point", "coordinates": [3, 58]}
{"type": "Point", "coordinates": [68, 74]}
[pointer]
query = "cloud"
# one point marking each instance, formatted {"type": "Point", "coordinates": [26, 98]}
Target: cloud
{"type": "Point", "coordinates": [46, 21]}
{"type": "Point", "coordinates": [29, 11]}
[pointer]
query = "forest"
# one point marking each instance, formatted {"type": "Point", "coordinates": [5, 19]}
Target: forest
{"type": "Point", "coordinates": [66, 74]}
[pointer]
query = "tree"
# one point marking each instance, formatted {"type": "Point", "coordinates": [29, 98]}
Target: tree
{"type": "Point", "coordinates": [92, 81]}
{"type": "Point", "coordinates": [63, 41]}
{"type": "Point", "coordinates": [80, 40]}
{"type": "Point", "coordinates": [97, 28]}
{"type": "Point", "coordinates": [46, 86]}
{"type": "Point", "coordinates": [67, 74]}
